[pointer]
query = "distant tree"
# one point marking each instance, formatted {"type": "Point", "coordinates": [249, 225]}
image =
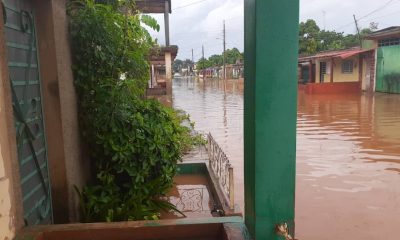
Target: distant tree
{"type": "Point", "coordinates": [308, 37]}
{"type": "Point", "coordinates": [313, 40]}
{"type": "Point", "coordinates": [374, 26]}
{"type": "Point", "coordinates": [203, 64]}
{"type": "Point", "coordinates": [177, 66]}
{"type": "Point", "coordinates": [188, 63]}
{"type": "Point", "coordinates": [232, 55]}
{"type": "Point", "coordinates": [216, 60]}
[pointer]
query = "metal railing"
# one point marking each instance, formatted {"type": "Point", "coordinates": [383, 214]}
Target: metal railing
{"type": "Point", "coordinates": [221, 168]}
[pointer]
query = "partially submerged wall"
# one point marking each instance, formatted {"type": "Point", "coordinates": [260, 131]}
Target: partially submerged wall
{"type": "Point", "coordinates": [331, 88]}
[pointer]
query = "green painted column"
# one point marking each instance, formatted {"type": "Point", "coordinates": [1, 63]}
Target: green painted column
{"type": "Point", "coordinates": [271, 47]}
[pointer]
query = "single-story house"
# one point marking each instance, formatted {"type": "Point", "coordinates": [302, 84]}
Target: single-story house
{"type": "Point", "coordinates": [337, 71]}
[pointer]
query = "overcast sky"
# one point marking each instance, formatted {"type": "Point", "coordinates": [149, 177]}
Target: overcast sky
{"type": "Point", "coordinates": [194, 23]}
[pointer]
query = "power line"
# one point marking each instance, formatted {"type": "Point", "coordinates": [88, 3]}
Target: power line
{"type": "Point", "coordinates": [378, 9]}
{"type": "Point", "coordinates": [382, 16]}
{"type": "Point", "coordinates": [368, 14]}
{"type": "Point", "coordinates": [188, 5]}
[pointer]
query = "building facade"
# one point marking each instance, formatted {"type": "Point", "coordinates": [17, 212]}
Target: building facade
{"type": "Point", "coordinates": [386, 43]}
{"type": "Point", "coordinates": [41, 156]}
{"type": "Point", "coordinates": [337, 71]}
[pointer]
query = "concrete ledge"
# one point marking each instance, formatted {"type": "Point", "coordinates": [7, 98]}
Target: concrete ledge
{"type": "Point", "coordinates": [202, 228]}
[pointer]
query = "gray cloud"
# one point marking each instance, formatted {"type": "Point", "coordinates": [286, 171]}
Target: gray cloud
{"type": "Point", "coordinates": [201, 23]}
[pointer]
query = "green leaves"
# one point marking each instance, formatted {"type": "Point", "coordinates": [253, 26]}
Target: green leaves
{"type": "Point", "coordinates": [150, 22]}
{"type": "Point", "coordinates": [134, 144]}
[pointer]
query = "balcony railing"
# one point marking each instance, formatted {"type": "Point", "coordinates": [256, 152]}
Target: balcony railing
{"type": "Point", "coordinates": [222, 169]}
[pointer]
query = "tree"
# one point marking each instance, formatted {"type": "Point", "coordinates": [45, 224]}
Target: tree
{"type": "Point", "coordinates": [313, 40]}
{"type": "Point", "coordinates": [232, 55]}
{"type": "Point", "coordinates": [178, 65]}
{"type": "Point", "coordinates": [188, 63]}
{"type": "Point", "coordinates": [216, 60]}
{"type": "Point", "coordinates": [203, 64]}
{"type": "Point", "coordinates": [308, 37]}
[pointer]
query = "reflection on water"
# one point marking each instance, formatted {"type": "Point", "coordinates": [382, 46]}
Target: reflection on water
{"type": "Point", "coordinates": [217, 108]}
{"type": "Point", "coordinates": [348, 156]}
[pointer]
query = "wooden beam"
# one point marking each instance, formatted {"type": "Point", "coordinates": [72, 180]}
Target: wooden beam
{"type": "Point", "coordinates": [153, 6]}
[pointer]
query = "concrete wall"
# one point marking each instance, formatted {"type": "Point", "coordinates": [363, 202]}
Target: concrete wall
{"type": "Point", "coordinates": [66, 163]}
{"type": "Point", "coordinates": [10, 192]}
{"type": "Point", "coordinates": [368, 75]}
{"type": "Point", "coordinates": [331, 88]}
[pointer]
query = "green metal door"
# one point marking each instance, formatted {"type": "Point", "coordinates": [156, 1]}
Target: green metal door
{"type": "Point", "coordinates": [388, 69]}
{"type": "Point", "coordinates": [27, 105]}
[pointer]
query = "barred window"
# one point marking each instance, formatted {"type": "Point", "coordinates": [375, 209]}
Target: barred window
{"type": "Point", "coordinates": [323, 67]}
{"type": "Point", "coordinates": [389, 42]}
{"type": "Point", "coordinates": [347, 67]}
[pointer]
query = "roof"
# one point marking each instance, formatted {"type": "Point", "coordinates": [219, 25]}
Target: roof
{"type": "Point", "coordinates": [343, 54]}
{"type": "Point", "coordinates": [393, 31]}
{"type": "Point", "coordinates": [152, 6]}
{"type": "Point", "coordinates": [158, 54]}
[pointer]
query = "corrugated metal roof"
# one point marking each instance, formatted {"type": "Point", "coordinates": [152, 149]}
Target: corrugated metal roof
{"type": "Point", "coordinates": [385, 33]}
{"type": "Point", "coordinates": [343, 54]}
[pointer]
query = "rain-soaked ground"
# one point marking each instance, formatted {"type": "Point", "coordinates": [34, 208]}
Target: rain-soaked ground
{"type": "Point", "coordinates": [348, 156]}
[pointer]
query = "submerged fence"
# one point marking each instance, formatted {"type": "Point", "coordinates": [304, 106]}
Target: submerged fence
{"type": "Point", "coordinates": [221, 168]}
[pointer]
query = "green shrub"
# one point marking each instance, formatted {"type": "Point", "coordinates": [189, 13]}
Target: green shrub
{"type": "Point", "coordinates": [134, 144]}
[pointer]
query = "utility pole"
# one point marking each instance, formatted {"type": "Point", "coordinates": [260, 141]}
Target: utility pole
{"type": "Point", "coordinates": [224, 55]}
{"type": "Point", "coordinates": [202, 50]}
{"type": "Point", "coordinates": [358, 30]}
{"type": "Point", "coordinates": [192, 61]}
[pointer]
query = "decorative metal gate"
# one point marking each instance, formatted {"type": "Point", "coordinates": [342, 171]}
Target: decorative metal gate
{"type": "Point", "coordinates": [27, 105]}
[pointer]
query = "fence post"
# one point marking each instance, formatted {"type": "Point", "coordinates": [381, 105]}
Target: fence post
{"type": "Point", "coordinates": [231, 188]}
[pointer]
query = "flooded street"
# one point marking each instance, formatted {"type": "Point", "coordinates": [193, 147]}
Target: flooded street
{"type": "Point", "coordinates": [348, 156]}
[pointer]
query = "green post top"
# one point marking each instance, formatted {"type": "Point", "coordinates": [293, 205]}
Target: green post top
{"type": "Point", "coordinates": [271, 50]}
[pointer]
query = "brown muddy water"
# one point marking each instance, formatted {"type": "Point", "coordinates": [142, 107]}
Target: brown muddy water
{"type": "Point", "coordinates": [348, 156]}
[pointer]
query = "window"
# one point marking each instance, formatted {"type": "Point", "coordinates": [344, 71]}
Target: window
{"type": "Point", "coordinates": [389, 42]}
{"type": "Point", "coordinates": [347, 67]}
{"type": "Point", "coordinates": [323, 67]}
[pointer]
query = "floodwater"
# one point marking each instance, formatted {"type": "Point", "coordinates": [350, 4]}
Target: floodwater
{"type": "Point", "coordinates": [348, 156]}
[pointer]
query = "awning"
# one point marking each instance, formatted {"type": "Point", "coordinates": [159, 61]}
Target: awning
{"type": "Point", "coordinates": [352, 53]}
{"type": "Point", "coordinates": [343, 54]}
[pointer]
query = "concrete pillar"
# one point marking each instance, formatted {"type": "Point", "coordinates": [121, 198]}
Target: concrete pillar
{"type": "Point", "coordinates": [153, 78]}
{"type": "Point", "coordinates": [271, 47]}
{"type": "Point", "coordinates": [66, 163]}
{"type": "Point", "coordinates": [168, 72]}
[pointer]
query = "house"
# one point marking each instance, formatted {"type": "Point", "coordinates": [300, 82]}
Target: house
{"type": "Point", "coordinates": [236, 70]}
{"type": "Point", "coordinates": [386, 45]}
{"type": "Point", "coordinates": [336, 71]}
{"type": "Point", "coordinates": [160, 62]}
